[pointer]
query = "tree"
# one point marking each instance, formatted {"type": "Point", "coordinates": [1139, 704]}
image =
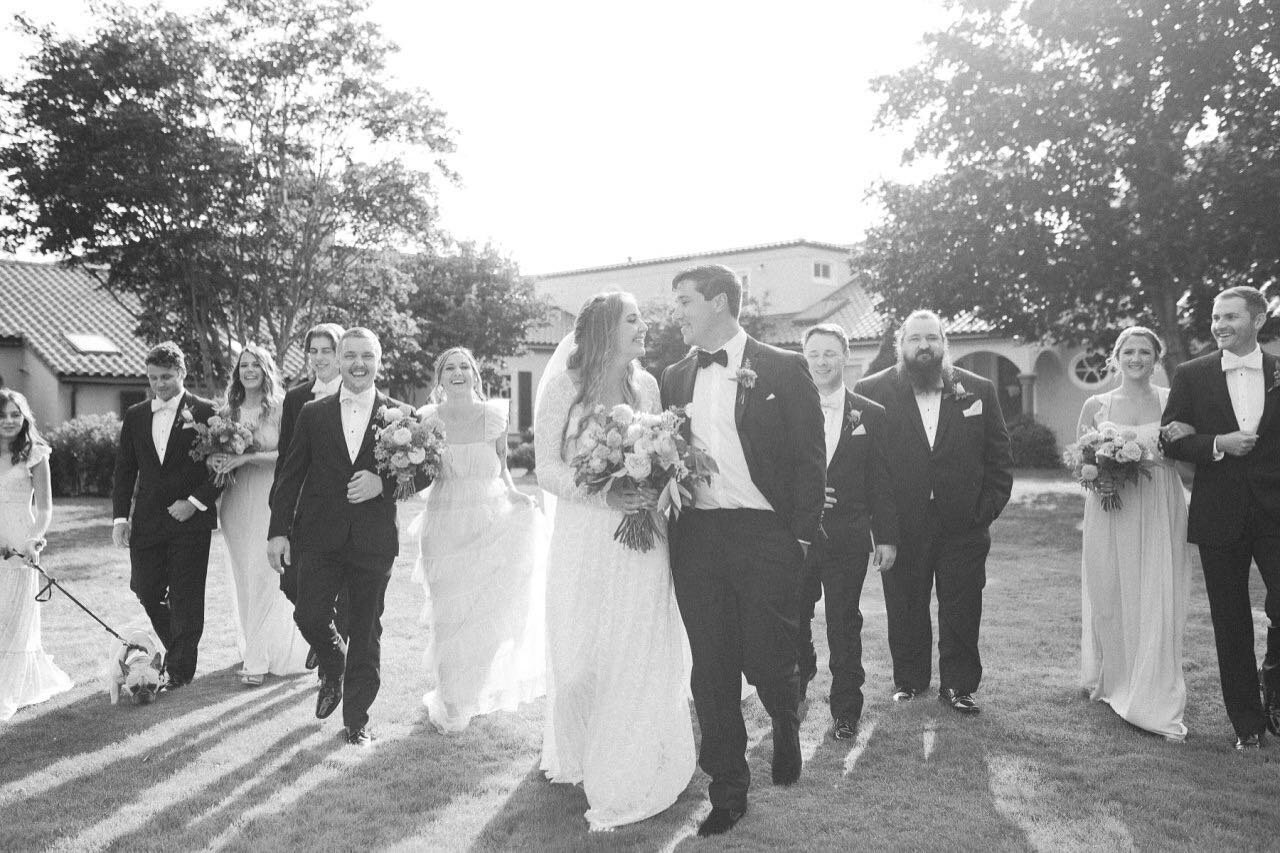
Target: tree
{"type": "Point", "coordinates": [1102, 162]}
{"type": "Point", "coordinates": [236, 170]}
{"type": "Point", "coordinates": [664, 344]}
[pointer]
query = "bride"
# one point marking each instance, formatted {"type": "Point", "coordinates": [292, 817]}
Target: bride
{"type": "Point", "coordinates": [618, 710]}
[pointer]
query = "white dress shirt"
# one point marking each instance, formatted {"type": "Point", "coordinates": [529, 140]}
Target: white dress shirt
{"type": "Point", "coordinates": [1247, 389]}
{"type": "Point", "coordinates": [833, 419]}
{"type": "Point", "coordinates": [357, 409]}
{"type": "Point", "coordinates": [163, 413]}
{"type": "Point", "coordinates": [324, 389]}
{"type": "Point", "coordinates": [711, 421]}
{"type": "Point", "coordinates": [930, 404]}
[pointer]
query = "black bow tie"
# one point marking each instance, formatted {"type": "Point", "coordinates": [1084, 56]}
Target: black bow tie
{"type": "Point", "coordinates": [706, 359]}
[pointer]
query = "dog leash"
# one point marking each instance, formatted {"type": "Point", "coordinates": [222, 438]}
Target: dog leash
{"type": "Point", "coordinates": [46, 594]}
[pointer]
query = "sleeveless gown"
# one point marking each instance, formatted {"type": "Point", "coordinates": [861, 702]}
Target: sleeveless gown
{"type": "Point", "coordinates": [617, 694]}
{"type": "Point", "coordinates": [481, 564]}
{"type": "Point", "coordinates": [27, 674]}
{"type": "Point", "coordinates": [1135, 572]}
{"type": "Point", "coordinates": [266, 635]}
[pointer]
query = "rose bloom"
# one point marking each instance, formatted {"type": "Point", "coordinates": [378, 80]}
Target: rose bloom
{"type": "Point", "coordinates": [1106, 450]}
{"type": "Point", "coordinates": [400, 459]}
{"type": "Point", "coordinates": [615, 456]}
{"type": "Point", "coordinates": [417, 455]}
{"type": "Point", "coordinates": [622, 414]}
{"type": "Point", "coordinates": [637, 466]}
{"type": "Point", "coordinates": [1088, 472]}
{"type": "Point", "coordinates": [402, 435]}
{"type": "Point", "coordinates": [613, 440]}
{"type": "Point", "coordinates": [238, 445]}
{"type": "Point", "coordinates": [644, 445]}
{"type": "Point", "coordinates": [634, 433]}
{"type": "Point", "coordinates": [1131, 451]}
{"type": "Point", "coordinates": [392, 415]}
{"type": "Point", "coordinates": [600, 451]}
{"type": "Point", "coordinates": [588, 441]}
{"type": "Point", "coordinates": [596, 465]}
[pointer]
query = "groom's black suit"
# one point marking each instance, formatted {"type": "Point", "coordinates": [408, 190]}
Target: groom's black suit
{"type": "Point", "coordinates": [737, 571]}
{"type": "Point", "coordinates": [1234, 519]}
{"type": "Point", "coordinates": [337, 544]}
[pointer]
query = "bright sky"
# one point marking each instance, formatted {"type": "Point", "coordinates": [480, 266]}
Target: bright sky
{"type": "Point", "coordinates": [590, 132]}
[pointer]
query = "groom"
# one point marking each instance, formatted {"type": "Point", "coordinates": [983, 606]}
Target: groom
{"type": "Point", "coordinates": [339, 515]}
{"type": "Point", "coordinates": [738, 553]}
{"type": "Point", "coordinates": [1232, 399]}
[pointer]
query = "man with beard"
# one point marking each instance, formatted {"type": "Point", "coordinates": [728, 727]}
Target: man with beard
{"type": "Point", "coordinates": [948, 452]}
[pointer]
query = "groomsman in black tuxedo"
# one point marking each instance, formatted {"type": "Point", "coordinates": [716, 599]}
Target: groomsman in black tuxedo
{"type": "Point", "coordinates": [948, 449]}
{"type": "Point", "coordinates": [330, 501]}
{"type": "Point", "coordinates": [860, 516]}
{"type": "Point", "coordinates": [164, 507]}
{"type": "Point", "coordinates": [737, 554]}
{"type": "Point", "coordinates": [1232, 399]}
{"type": "Point", "coordinates": [321, 347]}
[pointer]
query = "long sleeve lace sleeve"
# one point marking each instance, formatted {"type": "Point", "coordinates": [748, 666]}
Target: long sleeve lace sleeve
{"type": "Point", "coordinates": [554, 473]}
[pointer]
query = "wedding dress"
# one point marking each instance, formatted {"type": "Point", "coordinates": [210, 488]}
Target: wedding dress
{"type": "Point", "coordinates": [1134, 583]}
{"type": "Point", "coordinates": [617, 693]}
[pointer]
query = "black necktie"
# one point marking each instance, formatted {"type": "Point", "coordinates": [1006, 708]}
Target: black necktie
{"type": "Point", "coordinates": [706, 359]}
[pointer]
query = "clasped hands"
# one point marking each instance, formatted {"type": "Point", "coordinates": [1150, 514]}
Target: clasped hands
{"type": "Point", "coordinates": [627, 498]}
{"type": "Point", "coordinates": [225, 463]}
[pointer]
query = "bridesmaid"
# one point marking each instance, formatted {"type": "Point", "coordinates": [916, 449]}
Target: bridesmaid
{"type": "Point", "coordinates": [27, 674]}
{"type": "Point", "coordinates": [267, 637]}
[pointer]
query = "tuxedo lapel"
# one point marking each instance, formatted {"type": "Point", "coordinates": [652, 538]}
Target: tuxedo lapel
{"type": "Point", "coordinates": [846, 427]}
{"type": "Point", "coordinates": [371, 428]}
{"type": "Point", "coordinates": [750, 357]}
{"type": "Point", "coordinates": [948, 410]}
{"type": "Point", "coordinates": [175, 430]}
{"type": "Point", "coordinates": [907, 400]}
{"type": "Point", "coordinates": [1220, 395]}
{"type": "Point", "coordinates": [334, 427]}
{"type": "Point", "coordinates": [683, 374]}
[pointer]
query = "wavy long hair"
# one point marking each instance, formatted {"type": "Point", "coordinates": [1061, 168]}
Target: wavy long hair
{"type": "Point", "coordinates": [272, 387]}
{"type": "Point", "coordinates": [595, 344]}
{"type": "Point", "coordinates": [477, 387]}
{"type": "Point", "coordinates": [28, 436]}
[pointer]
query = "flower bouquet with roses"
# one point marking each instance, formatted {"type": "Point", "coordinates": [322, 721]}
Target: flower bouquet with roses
{"type": "Point", "coordinates": [645, 451]}
{"type": "Point", "coordinates": [1106, 459]}
{"type": "Point", "coordinates": [405, 446]}
{"type": "Point", "coordinates": [222, 434]}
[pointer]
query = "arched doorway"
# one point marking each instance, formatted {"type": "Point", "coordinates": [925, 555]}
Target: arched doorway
{"type": "Point", "coordinates": [1001, 371]}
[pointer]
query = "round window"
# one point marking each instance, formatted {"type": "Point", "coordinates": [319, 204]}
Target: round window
{"type": "Point", "coordinates": [1089, 369]}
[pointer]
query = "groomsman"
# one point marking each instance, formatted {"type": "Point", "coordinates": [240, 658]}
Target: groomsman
{"type": "Point", "coordinates": [948, 449]}
{"type": "Point", "coordinates": [1232, 400]}
{"type": "Point", "coordinates": [737, 553]}
{"type": "Point", "coordinates": [859, 516]}
{"type": "Point", "coordinates": [321, 347]}
{"type": "Point", "coordinates": [164, 507]}
{"type": "Point", "coordinates": [331, 501]}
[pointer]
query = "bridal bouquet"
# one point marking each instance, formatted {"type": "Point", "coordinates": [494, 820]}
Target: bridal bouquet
{"type": "Point", "coordinates": [1105, 459]}
{"type": "Point", "coordinates": [644, 450]}
{"type": "Point", "coordinates": [220, 435]}
{"type": "Point", "coordinates": [406, 446]}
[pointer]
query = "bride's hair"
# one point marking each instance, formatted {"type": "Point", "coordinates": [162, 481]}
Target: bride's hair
{"type": "Point", "coordinates": [595, 335]}
{"type": "Point", "coordinates": [1113, 361]}
{"type": "Point", "coordinates": [477, 389]}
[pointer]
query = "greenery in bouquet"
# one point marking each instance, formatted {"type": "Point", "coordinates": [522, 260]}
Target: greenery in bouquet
{"type": "Point", "coordinates": [406, 446]}
{"type": "Point", "coordinates": [1106, 459]}
{"type": "Point", "coordinates": [222, 434]}
{"type": "Point", "coordinates": [645, 451]}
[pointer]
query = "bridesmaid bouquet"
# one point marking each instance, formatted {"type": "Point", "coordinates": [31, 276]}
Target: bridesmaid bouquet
{"type": "Point", "coordinates": [1106, 459]}
{"type": "Point", "coordinates": [221, 435]}
{"type": "Point", "coordinates": [406, 446]}
{"type": "Point", "coordinates": [644, 450]}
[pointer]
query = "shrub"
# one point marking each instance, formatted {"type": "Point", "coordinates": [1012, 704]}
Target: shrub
{"type": "Point", "coordinates": [84, 455]}
{"type": "Point", "coordinates": [522, 457]}
{"type": "Point", "coordinates": [1033, 444]}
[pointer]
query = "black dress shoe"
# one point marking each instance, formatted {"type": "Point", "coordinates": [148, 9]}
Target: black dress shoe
{"type": "Point", "coordinates": [313, 659]}
{"type": "Point", "coordinates": [720, 821]}
{"type": "Point", "coordinates": [905, 694]}
{"type": "Point", "coordinates": [174, 684]}
{"type": "Point", "coordinates": [1247, 742]}
{"type": "Point", "coordinates": [1270, 698]}
{"type": "Point", "coordinates": [786, 750]}
{"type": "Point", "coordinates": [846, 729]}
{"type": "Point", "coordinates": [962, 702]}
{"type": "Point", "coordinates": [360, 737]}
{"type": "Point", "coordinates": [329, 697]}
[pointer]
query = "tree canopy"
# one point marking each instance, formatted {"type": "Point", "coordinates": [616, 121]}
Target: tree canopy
{"type": "Point", "coordinates": [1100, 162]}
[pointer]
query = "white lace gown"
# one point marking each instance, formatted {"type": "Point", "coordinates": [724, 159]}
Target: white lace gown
{"type": "Point", "coordinates": [266, 635]}
{"type": "Point", "coordinates": [481, 560]}
{"type": "Point", "coordinates": [27, 675]}
{"type": "Point", "coordinates": [1135, 576]}
{"type": "Point", "coordinates": [618, 710]}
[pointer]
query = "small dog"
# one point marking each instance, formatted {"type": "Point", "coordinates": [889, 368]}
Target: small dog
{"type": "Point", "coordinates": [135, 668]}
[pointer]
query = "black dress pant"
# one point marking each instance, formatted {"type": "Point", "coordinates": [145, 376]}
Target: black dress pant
{"type": "Point", "coordinates": [168, 577]}
{"type": "Point", "coordinates": [736, 574]}
{"type": "Point", "coordinates": [289, 586]}
{"type": "Point", "coordinates": [958, 561]}
{"type": "Point", "coordinates": [836, 575]}
{"type": "Point", "coordinates": [1226, 580]}
{"type": "Point", "coordinates": [321, 576]}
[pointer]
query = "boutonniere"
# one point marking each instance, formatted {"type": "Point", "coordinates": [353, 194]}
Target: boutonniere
{"type": "Point", "coordinates": [1275, 378]}
{"type": "Point", "coordinates": [188, 419]}
{"type": "Point", "coordinates": [746, 378]}
{"type": "Point", "coordinates": [953, 388]}
{"type": "Point", "coordinates": [855, 418]}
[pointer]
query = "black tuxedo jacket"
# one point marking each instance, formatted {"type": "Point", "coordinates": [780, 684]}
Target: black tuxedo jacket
{"type": "Point", "coordinates": [860, 475]}
{"type": "Point", "coordinates": [968, 471]}
{"type": "Point", "coordinates": [294, 400]}
{"type": "Point", "coordinates": [1199, 397]}
{"type": "Point", "coordinates": [310, 500]}
{"type": "Point", "coordinates": [160, 484]}
{"type": "Point", "coordinates": [779, 423]}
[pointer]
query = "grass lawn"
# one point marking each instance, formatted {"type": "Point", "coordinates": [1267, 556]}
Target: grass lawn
{"type": "Point", "coordinates": [217, 766]}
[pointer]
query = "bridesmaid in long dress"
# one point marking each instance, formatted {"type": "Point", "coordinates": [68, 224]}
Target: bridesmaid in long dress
{"type": "Point", "coordinates": [481, 560]}
{"type": "Point", "coordinates": [27, 674]}
{"type": "Point", "coordinates": [1135, 566]}
{"type": "Point", "coordinates": [266, 635]}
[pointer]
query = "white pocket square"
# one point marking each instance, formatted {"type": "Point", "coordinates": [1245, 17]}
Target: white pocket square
{"type": "Point", "coordinates": [860, 429]}
{"type": "Point", "coordinates": [974, 410]}
{"type": "Point", "coordinates": [771, 397]}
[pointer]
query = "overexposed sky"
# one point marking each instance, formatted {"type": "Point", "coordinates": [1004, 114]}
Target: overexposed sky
{"type": "Point", "coordinates": [593, 132]}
